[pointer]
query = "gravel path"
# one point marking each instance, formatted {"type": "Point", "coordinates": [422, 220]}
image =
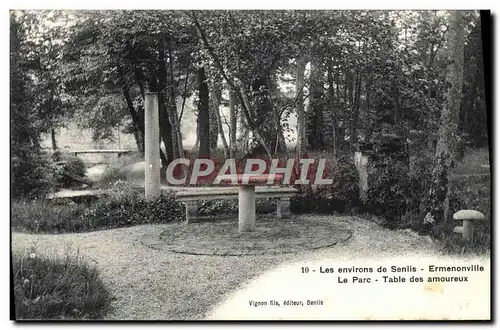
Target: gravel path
{"type": "Point", "coordinates": [150, 285]}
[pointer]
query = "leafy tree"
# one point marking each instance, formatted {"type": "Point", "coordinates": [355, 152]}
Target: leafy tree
{"type": "Point", "coordinates": [439, 196]}
{"type": "Point", "coordinates": [31, 171]}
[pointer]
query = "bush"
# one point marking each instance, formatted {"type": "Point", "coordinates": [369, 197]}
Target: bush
{"type": "Point", "coordinates": [33, 173]}
{"type": "Point", "coordinates": [420, 181]}
{"type": "Point", "coordinates": [76, 166]}
{"type": "Point", "coordinates": [52, 288]}
{"type": "Point", "coordinates": [125, 206]}
{"type": "Point", "coordinates": [112, 174]}
{"type": "Point", "coordinates": [131, 208]}
{"type": "Point", "coordinates": [230, 207]}
{"type": "Point", "coordinates": [73, 165]}
{"type": "Point", "coordinates": [116, 170]}
{"type": "Point", "coordinates": [389, 188]}
{"type": "Point", "coordinates": [341, 196]}
{"type": "Point", "coordinates": [345, 186]}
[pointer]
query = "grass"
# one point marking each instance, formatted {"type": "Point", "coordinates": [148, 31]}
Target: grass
{"type": "Point", "coordinates": [50, 288]}
{"type": "Point", "coordinates": [124, 206]}
{"type": "Point", "coordinates": [472, 162]}
{"type": "Point", "coordinates": [470, 189]}
{"type": "Point", "coordinates": [114, 172]}
{"type": "Point", "coordinates": [39, 216]}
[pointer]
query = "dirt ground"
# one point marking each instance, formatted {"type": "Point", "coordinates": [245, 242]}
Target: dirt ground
{"type": "Point", "coordinates": [150, 284]}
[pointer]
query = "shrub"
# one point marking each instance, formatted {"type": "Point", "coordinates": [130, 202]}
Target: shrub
{"type": "Point", "coordinates": [57, 288]}
{"type": "Point", "coordinates": [341, 196]}
{"type": "Point", "coordinates": [131, 208]}
{"type": "Point", "coordinates": [112, 174]}
{"type": "Point", "coordinates": [389, 187]}
{"type": "Point", "coordinates": [33, 173]}
{"type": "Point", "coordinates": [230, 206]}
{"type": "Point", "coordinates": [420, 181]}
{"type": "Point", "coordinates": [125, 206]}
{"type": "Point", "coordinates": [74, 166]}
{"type": "Point", "coordinates": [116, 170]}
{"type": "Point", "coordinates": [345, 186]}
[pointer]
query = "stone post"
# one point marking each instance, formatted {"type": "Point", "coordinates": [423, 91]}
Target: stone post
{"type": "Point", "coordinates": [246, 206]}
{"type": "Point", "coordinates": [283, 208]}
{"type": "Point", "coordinates": [191, 211]}
{"type": "Point", "coordinates": [361, 163]}
{"type": "Point", "coordinates": [468, 217]}
{"type": "Point", "coordinates": [151, 147]}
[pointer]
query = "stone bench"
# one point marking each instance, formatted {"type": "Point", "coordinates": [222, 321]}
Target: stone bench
{"type": "Point", "coordinates": [192, 196]}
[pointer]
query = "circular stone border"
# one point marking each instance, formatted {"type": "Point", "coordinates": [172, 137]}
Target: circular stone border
{"type": "Point", "coordinates": [271, 236]}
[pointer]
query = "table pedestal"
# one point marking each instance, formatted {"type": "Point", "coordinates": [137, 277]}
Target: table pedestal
{"type": "Point", "coordinates": [246, 208]}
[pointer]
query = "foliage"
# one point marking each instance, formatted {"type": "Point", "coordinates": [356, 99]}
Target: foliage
{"type": "Point", "coordinates": [116, 171]}
{"type": "Point", "coordinates": [340, 196]}
{"type": "Point", "coordinates": [420, 182]}
{"type": "Point", "coordinates": [345, 184]}
{"type": "Point", "coordinates": [433, 203]}
{"type": "Point", "coordinates": [34, 174]}
{"type": "Point", "coordinates": [223, 207]}
{"type": "Point", "coordinates": [389, 63]}
{"type": "Point", "coordinates": [51, 288]}
{"type": "Point", "coordinates": [76, 166]}
{"type": "Point", "coordinates": [111, 176]}
{"type": "Point", "coordinates": [72, 165]}
{"type": "Point", "coordinates": [389, 188]}
{"type": "Point", "coordinates": [31, 169]}
{"type": "Point", "coordinates": [125, 206]}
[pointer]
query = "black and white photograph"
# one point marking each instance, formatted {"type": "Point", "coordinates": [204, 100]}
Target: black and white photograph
{"type": "Point", "coordinates": [213, 164]}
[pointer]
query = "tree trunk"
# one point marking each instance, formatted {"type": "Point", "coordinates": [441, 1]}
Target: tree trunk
{"type": "Point", "coordinates": [315, 106]}
{"type": "Point", "coordinates": [266, 116]}
{"type": "Point", "coordinates": [53, 138]}
{"type": "Point", "coordinates": [165, 130]}
{"type": "Point", "coordinates": [203, 115]}
{"type": "Point", "coordinates": [280, 144]}
{"type": "Point", "coordinates": [447, 141]}
{"type": "Point", "coordinates": [330, 113]}
{"type": "Point", "coordinates": [216, 97]}
{"type": "Point", "coordinates": [245, 133]}
{"type": "Point", "coordinates": [136, 121]}
{"type": "Point", "coordinates": [355, 109]}
{"type": "Point", "coordinates": [239, 90]}
{"type": "Point", "coordinates": [451, 107]}
{"type": "Point", "coordinates": [301, 115]}
{"type": "Point", "coordinates": [214, 125]}
{"type": "Point", "coordinates": [165, 127]}
{"type": "Point", "coordinates": [232, 123]}
{"type": "Point", "coordinates": [173, 115]}
{"type": "Point", "coordinates": [197, 141]}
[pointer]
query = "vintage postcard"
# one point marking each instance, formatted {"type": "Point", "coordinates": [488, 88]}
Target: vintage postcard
{"type": "Point", "coordinates": [250, 165]}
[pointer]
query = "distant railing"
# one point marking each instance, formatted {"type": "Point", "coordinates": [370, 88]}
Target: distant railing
{"type": "Point", "coordinates": [101, 151]}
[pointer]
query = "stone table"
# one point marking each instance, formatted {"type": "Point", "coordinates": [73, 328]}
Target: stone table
{"type": "Point", "coordinates": [246, 196]}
